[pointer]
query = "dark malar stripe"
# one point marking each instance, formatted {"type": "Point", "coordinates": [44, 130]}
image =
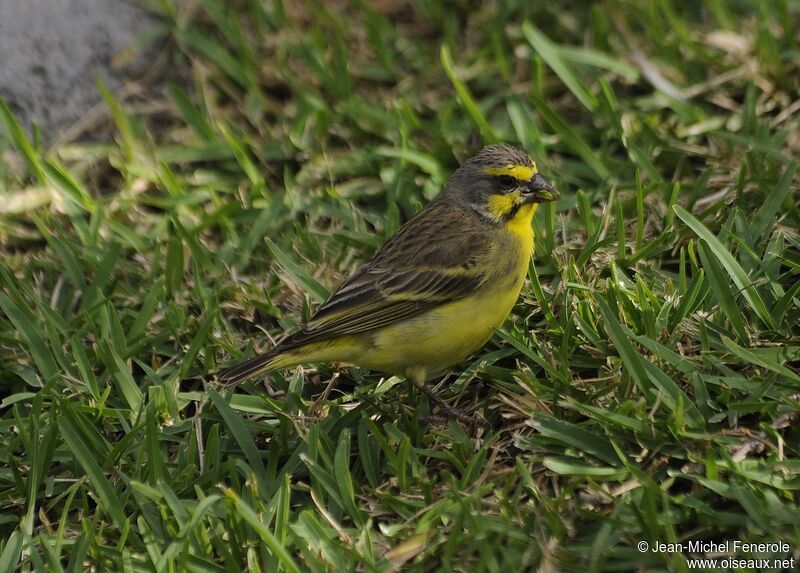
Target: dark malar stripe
{"type": "Point", "coordinates": [513, 212]}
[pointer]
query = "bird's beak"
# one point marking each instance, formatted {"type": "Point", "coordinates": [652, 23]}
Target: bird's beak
{"type": "Point", "coordinates": [539, 190]}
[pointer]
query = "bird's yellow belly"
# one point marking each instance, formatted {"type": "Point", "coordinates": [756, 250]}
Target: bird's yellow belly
{"type": "Point", "coordinates": [441, 337]}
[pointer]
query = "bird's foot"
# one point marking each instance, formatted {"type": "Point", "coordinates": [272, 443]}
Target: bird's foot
{"type": "Point", "coordinates": [449, 412]}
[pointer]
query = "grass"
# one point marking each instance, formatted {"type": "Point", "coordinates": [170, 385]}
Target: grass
{"type": "Point", "coordinates": [645, 389]}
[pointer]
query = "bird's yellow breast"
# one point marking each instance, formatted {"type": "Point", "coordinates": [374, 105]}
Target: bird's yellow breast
{"type": "Point", "coordinates": [520, 227]}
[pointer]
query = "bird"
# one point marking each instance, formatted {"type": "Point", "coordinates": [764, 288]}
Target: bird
{"type": "Point", "coordinates": [434, 292]}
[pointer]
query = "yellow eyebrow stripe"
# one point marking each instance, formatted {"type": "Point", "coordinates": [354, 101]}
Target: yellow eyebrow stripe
{"type": "Point", "coordinates": [521, 172]}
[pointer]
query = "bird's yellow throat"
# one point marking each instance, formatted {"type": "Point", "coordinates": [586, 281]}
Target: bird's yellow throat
{"type": "Point", "coordinates": [520, 224]}
{"type": "Point", "coordinates": [499, 206]}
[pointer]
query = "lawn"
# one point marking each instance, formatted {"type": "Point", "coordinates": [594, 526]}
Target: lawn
{"type": "Point", "coordinates": [645, 390]}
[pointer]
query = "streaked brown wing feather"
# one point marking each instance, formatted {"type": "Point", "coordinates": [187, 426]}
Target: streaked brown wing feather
{"type": "Point", "coordinates": [413, 272]}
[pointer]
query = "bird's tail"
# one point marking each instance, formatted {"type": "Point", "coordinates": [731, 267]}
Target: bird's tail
{"type": "Point", "coordinates": [255, 366]}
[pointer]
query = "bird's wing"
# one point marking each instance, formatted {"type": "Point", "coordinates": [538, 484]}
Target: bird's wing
{"type": "Point", "coordinates": [414, 272]}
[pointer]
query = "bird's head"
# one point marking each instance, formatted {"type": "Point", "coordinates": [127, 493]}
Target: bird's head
{"type": "Point", "coordinates": [499, 181]}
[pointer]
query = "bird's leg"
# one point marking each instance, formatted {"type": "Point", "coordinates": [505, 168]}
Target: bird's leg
{"type": "Point", "coordinates": [417, 378]}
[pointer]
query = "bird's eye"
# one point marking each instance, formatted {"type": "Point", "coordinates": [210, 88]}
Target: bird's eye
{"type": "Point", "coordinates": [507, 182]}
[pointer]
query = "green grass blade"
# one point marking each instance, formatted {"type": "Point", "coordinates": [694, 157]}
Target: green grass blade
{"type": "Point", "coordinates": [576, 437]}
{"type": "Point", "coordinates": [317, 291]}
{"type": "Point", "coordinates": [551, 54]}
{"type": "Point", "coordinates": [75, 441]}
{"type": "Point", "coordinates": [765, 216]}
{"type": "Point", "coordinates": [344, 479]}
{"type": "Point", "coordinates": [571, 138]}
{"type": "Point", "coordinates": [466, 98]}
{"type": "Point", "coordinates": [22, 142]}
{"type": "Point", "coordinates": [737, 274]}
{"type": "Point", "coordinates": [239, 431]}
{"type": "Point", "coordinates": [630, 357]}
{"type": "Point", "coordinates": [12, 551]}
{"type": "Point", "coordinates": [725, 296]}
{"type": "Point", "coordinates": [762, 360]}
{"type": "Point", "coordinates": [32, 337]}
{"type": "Point", "coordinates": [250, 516]}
